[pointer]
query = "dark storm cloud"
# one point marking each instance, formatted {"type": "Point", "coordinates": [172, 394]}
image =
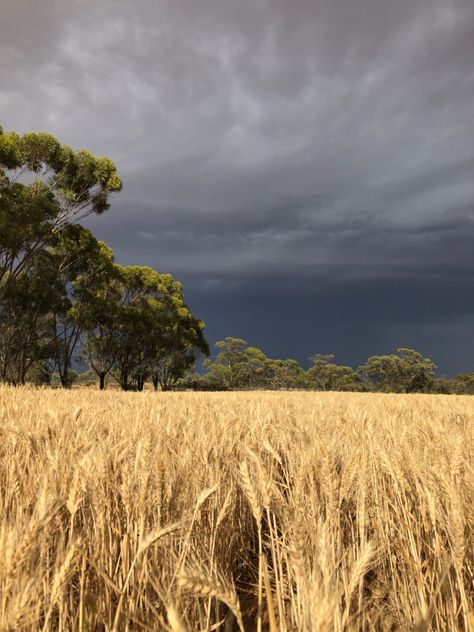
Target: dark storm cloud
{"type": "Point", "coordinates": [314, 152]}
{"type": "Point", "coordinates": [295, 236]}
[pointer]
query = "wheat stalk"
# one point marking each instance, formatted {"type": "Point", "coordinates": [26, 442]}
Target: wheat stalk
{"type": "Point", "coordinates": [207, 588]}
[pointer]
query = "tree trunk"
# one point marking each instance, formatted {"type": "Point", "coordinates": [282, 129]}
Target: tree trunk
{"type": "Point", "coordinates": [102, 381]}
{"type": "Point", "coordinates": [63, 376]}
{"type": "Point", "coordinates": [124, 380]}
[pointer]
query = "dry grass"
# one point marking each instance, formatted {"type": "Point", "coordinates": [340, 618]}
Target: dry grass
{"type": "Point", "coordinates": [251, 511]}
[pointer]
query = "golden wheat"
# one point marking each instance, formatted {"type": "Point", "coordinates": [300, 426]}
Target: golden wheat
{"type": "Point", "coordinates": [252, 511]}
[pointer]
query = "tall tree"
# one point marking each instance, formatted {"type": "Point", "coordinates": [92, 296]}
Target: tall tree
{"type": "Point", "coordinates": [43, 187]}
{"type": "Point", "coordinates": [406, 371]}
{"type": "Point", "coordinates": [156, 334]}
{"type": "Point", "coordinates": [177, 340]}
{"type": "Point", "coordinates": [464, 383]}
{"type": "Point", "coordinates": [238, 366]}
{"type": "Point", "coordinates": [24, 334]}
{"type": "Point", "coordinates": [100, 342]}
{"type": "Point", "coordinates": [324, 375]}
{"type": "Point", "coordinates": [85, 266]}
{"type": "Point", "coordinates": [284, 374]}
{"type": "Point", "coordinates": [230, 368]}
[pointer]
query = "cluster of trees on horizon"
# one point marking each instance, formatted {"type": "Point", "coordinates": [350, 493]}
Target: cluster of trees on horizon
{"type": "Point", "coordinates": [240, 366]}
{"type": "Point", "coordinates": [64, 301]}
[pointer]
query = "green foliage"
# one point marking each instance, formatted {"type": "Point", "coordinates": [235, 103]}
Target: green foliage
{"type": "Point", "coordinates": [85, 267]}
{"type": "Point", "coordinates": [443, 385]}
{"type": "Point", "coordinates": [284, 374]}
{"type": "Point", "coordinates": [73, 301]}
{"type": "Point", "coordinates": [407, 371]}
{"type": "Point", "coordinates": [236, 364]}
{"type": "Point", "coordinates": [239, 366]}
{"type": "Point", "coordinates": [464, 383]}
{"type": "Point", "coordinates": [72, 378]}
{"type": "Point", "coordinates": [153, 333]}
{"type": "Point", "coordinates": [326, 376]}
{"type": "Point", "coordinates": [176, 338]}
{"type": "Point", "coordinates": [39, 374]}
{"type": "Point", "coordinates": [43, 187]}
{"type": "Point", "coordinates": [24, 318]}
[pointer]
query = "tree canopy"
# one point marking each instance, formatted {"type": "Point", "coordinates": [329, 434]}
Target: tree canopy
{"type": "Point", "coordinates": [405, 371]}
{"type": "Point", "coordinates": [63, 299]}
{"type": "Point", "coordinates": [44, 186]}
{"type": "Point", "coordinates": [324, 375]}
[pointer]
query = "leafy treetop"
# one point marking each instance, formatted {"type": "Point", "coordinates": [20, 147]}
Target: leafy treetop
{"type": "Point", "coordinates": [44, 186]}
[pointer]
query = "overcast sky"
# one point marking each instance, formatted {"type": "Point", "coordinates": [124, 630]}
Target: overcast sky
{"type": "Point", "coordinates": [306, 168]}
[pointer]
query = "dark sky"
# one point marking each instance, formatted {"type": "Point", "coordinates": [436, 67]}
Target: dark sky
{"type": "Point", "coordinates": [306, 168]}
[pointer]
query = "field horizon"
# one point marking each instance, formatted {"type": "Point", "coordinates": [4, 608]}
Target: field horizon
{"type": "Point", "coordinates": [251, 510]}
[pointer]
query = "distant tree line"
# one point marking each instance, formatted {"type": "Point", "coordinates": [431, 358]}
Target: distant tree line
{"type": "Point", "coordinates": [239, 366]}
{"type": "Point", "coordinates": [65, 302]}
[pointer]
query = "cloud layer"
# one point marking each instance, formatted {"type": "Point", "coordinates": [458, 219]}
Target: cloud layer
{"type": "Point", "coordinates": [275, 154]}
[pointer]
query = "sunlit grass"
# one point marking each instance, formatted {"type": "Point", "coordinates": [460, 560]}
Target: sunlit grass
{"type": "Point", "coordinates": [264, 511]}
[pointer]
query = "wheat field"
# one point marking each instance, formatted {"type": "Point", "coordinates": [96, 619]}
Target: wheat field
{"type": "Point", "coordinates": [235, 511]}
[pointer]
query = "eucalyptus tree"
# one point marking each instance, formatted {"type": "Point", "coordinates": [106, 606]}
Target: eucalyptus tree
{"type": "Point", "coordinates": [137, 286]}
{"type": "Point", "coordinates": [177, 340]}
{"type": "Point", "coordinates": [230, 368]}
{"type": "Point", "coordinates": [284, 374]}
{"type": "Point", "coordinates": [464, 383]}
{"type": "Point", "coordinates": [405, 371]}
{"type": "Point", "coordinates": [239, 366]}
{"type": "Point", "coordinates": [100, 341]}
{"type": "Point", "coordinates": [24, 332]}
{"type": "Point", "coordinates": [325, 375]}
{"type": "Point", "coordinates": [85, 267]}
{"type": "Point", "coordinates": [44, 186]}
{"type": "Point", "coordinates": [155, 335]}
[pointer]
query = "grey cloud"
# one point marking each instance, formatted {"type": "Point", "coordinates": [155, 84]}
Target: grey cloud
{"type": "Point", "coordinates": [263, 138]}
{"type": "Point", "coordinates": [294, 235]}
{"type": "Point", "coordinates": [353, 319]}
